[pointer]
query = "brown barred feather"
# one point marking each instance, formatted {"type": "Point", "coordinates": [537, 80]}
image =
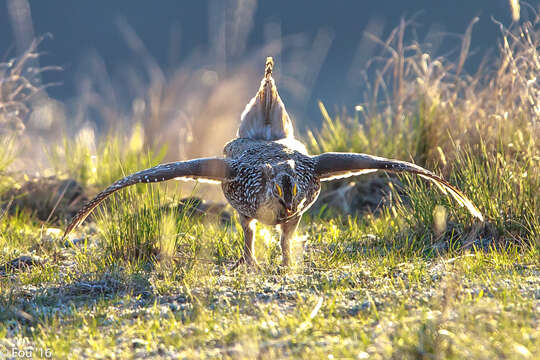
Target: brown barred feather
{"type": "Point", "coordinates": [212, 169]}
{"type": "Point", "coordinates": [330, 166]}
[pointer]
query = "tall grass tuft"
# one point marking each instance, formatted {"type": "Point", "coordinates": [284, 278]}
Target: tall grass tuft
{"type": "Point", "coordinates": [480, 131]}
{"type": "Point", "coordinates": [138, 228]}
{"type": "Point", "coordinates": [19, 84]}
{"type": "Point", "coordinates": [420, 104]}
{"type": "Point", "coordinates": [504, 188]}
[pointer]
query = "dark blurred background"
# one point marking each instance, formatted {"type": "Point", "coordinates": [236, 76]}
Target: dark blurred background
{"type": "Point", "coordinates": [173, 31]}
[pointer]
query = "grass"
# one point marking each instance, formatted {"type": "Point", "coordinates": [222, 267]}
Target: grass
{"type": "Point", "coordinates": [418, 278]}
{"type": "Point", "coordinates": [349, 297]}
{"type": "Point", "coordinates": [99, 162]}
{"type": "Point", "coordinates": [20, 84]}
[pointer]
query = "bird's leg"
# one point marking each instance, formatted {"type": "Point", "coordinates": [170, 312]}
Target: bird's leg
{"type": "Point", "coordinates": [287, 231]}
{"type": "Point", "coordinates": [248, 225]}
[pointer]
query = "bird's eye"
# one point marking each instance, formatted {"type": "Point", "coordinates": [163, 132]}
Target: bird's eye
{"type": "Point", "coordinates": [279, 191]}
{"type": "Point", "coordinates": [294, 190]}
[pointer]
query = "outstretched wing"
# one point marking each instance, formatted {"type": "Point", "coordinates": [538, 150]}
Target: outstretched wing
{"type": "Point", "coordinates": [330, 166]}
{"type": "Point", "coordinates": [206, 169]}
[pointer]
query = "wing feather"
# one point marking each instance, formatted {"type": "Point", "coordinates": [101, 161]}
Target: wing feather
{"type": "Point", "coordinates": [209, 169]}
{"type": "Point", "coordinates": [331, 166]}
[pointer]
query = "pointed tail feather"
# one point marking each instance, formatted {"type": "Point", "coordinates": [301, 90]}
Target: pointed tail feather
{"type": "Point", "coordinates": [265, 117]}
{"type": "Point", "coordinates": [331, 166]}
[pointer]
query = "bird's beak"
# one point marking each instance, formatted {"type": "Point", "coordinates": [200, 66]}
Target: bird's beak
{"type": "Point", "coordinates": [289, 210]}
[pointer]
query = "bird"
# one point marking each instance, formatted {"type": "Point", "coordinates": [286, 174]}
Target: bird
{"type": "Point", "coordinates": [267, 175]}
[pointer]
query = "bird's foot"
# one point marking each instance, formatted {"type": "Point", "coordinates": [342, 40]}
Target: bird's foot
{"type": "Point", "coordinates": [250, 261]}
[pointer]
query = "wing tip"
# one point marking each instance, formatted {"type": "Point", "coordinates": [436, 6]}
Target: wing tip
{"type": "Point", "coordinates": [69, 228]}
{"type": "Point", "coordinates": [463, 200]}
{"type": "Point", "coordinates": [475, 212]}
{"type": "Point", "coordinates": [456, 194]}
{"type": "Point", "coordinates": [76, 221]}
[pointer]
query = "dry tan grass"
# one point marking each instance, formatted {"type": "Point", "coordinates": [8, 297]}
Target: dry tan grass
{"type": "Point", "coordinates": [409, 89]}
{"type": "Point", "coordinates": [18, 86]}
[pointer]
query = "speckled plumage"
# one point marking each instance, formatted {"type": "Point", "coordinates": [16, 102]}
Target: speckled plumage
{"type": "Point", "coordinates": [251, 161]}
{"type": "Point", "coordinates": [267, 175]}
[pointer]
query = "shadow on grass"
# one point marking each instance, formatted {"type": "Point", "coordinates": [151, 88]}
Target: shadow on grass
{"type": "Point", "coordinates": [30, 305]}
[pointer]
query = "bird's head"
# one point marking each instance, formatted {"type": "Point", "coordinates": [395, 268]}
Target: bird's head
{"type": "Point", "coordinates": [285, 190]}
{"type": "Point", "coordinates": [287, 195]}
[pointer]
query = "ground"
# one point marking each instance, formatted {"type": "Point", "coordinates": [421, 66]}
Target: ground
{"type": "Point", "coordinates": [346, 297]}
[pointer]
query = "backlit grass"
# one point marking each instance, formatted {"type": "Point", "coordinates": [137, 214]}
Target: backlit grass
{"type": "Point", "coordinates": [417, 278]}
